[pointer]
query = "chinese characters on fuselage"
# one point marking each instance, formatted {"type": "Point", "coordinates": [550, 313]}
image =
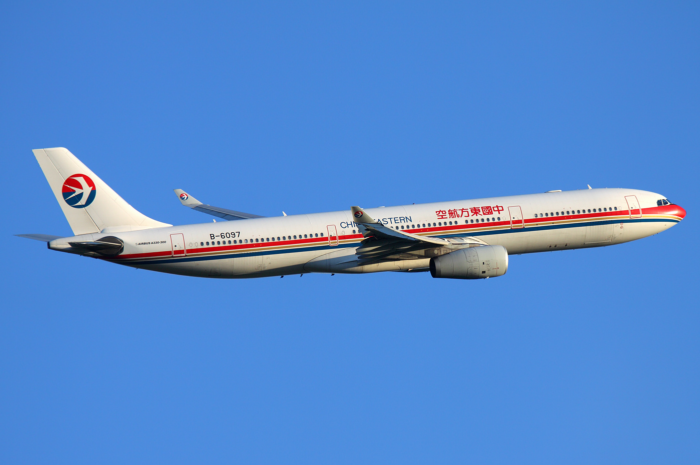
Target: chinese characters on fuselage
{"type": "Point", "coordinates": [466, 212]}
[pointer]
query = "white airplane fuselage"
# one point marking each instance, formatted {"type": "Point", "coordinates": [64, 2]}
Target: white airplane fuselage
{"type": "Point", "coordinates": [328, 242]}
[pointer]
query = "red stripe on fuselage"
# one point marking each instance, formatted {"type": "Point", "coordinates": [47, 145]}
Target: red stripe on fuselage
{"type": "Point", "coordinates": [673, 210]}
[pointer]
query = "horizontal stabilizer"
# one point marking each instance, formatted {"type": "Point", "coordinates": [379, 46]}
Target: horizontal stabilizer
{"type": "Point", "coordinates": [39, 237]}
{"type": "Point", "coordinates": [108, 246]}
{"type": "Point", "coordinates": [229, 215]}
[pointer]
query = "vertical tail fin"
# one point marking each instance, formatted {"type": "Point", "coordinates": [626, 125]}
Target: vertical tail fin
{"type": "Point", "coordinates": [89, 204]}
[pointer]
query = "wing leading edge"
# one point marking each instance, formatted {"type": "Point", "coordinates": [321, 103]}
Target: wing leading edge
{"type": "Point", "coordinates": [229, 215]}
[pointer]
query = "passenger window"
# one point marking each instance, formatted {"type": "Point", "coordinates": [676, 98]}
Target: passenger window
{"type": "Point", "coordinates": [321, 234]}
{"type": "Point", "coordinates": [201, 244]}
{"type": "Point", "coordinates": [535, 215]}
{"type": "Point", "coordinates": [488, 220]}
{"type": "Point", "coordinates": [499, 218]}
{"type": "Point", "coordinates": [615, 208]}
{"type": "Point", "coordinates": [439, 224]}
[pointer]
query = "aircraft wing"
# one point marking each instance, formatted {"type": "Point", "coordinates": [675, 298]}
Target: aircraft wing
{"type": "Point", "coordinates": [229, 215]}
{"type": "Point", "coordinates": [383, 243]}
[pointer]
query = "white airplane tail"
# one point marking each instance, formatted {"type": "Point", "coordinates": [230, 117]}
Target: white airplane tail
{"type": "Point", "coordinates": [89, 204]}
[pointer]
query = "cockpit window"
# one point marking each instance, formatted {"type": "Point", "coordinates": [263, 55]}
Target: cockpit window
{"type": "Point", "coordinates": [662, 202]}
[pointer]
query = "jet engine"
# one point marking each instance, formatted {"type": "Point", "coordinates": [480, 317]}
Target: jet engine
{"type": "Point", "coordinates": [481, 262]}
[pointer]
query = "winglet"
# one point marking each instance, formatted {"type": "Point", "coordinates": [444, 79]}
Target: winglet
{"type": "Point", "coordinates": [360, 216]}
{"type": "Point", "coordinates": [229, 215]}
{"type": "Point", "coordinates": [186, 199]}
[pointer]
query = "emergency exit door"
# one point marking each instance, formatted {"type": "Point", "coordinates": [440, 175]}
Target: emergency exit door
{"type": "Point", "coordinates": [178, 244]}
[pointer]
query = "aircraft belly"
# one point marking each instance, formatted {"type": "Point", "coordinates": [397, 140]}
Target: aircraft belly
{"type": "Point", "coordinates": [523, 242]}
{"type": "Point", "coordinates": [196, 269]}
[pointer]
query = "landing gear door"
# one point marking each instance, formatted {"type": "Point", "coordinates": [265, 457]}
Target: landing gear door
{"type": "Point", "coordinates": [177, 242]}
{"type": "Point", "coordinates": [516, 217]}
{"type": "Point", "coordinates": [633, 205]}
{"type": "Point", "coordinates": [332, 235]}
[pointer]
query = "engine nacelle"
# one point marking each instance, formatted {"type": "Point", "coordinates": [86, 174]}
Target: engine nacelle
{"type": "Point", "coordinates": [480, 262]}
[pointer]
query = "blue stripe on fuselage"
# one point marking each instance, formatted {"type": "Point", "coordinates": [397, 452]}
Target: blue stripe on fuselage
{"type": "Point", "coordinates": [224, 256]}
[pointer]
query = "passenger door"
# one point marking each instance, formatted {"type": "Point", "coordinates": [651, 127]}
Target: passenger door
{"type": "Point", "coordinates": [634, 207]}
{"type": "Point", "coordinates": [516, 217]}
{"type": "Point", "coordinates": [332, 235]}
{"type": "Point", "coordinates": [177, 242]}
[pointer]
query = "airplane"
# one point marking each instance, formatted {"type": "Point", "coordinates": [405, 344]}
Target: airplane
{"type": "Point", "coordinates": [462, 239]}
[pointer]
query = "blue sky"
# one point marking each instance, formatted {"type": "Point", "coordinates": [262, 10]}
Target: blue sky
{"type": "Point", "coordinates": [587, 356]}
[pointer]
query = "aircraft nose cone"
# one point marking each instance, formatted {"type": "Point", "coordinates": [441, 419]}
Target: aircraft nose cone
{"type": "Point", "coordinates": [680, 211]}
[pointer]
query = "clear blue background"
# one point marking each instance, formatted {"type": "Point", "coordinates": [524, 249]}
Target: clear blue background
{"type": "Point", "coordinates": [587, 356]}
